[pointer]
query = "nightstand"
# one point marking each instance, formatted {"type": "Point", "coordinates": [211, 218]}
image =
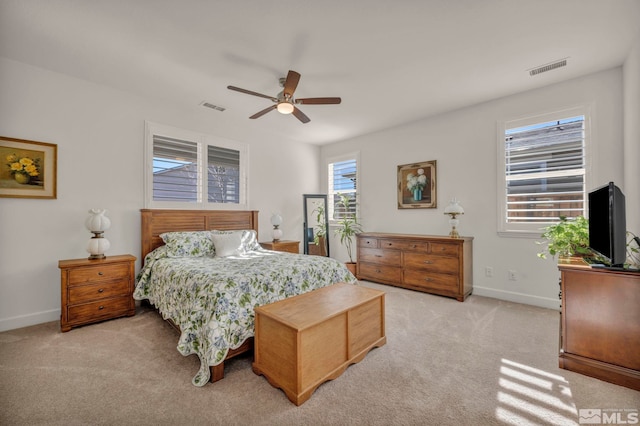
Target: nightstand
{"type": "Point", "coordinates": [96, 290]}
{"type": "Point", "coordinates": [282, 245]}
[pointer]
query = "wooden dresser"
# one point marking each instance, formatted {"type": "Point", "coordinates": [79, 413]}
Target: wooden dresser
{"type": "Point", "coordinates": [96, 290]}
{"type": "Point", "coordinates": [432, 264]}
{"type": "Point", "coordinates": [600, 323]}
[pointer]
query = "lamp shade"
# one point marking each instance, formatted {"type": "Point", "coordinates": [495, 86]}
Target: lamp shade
{"type": "Point", "coordinates": [276, 219]}
{"type": "Point", "coordinates": [454, 207]}
{"type": "Point", "coordinates": [97, 221]}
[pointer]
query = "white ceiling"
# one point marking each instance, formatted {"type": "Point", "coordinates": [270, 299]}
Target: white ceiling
{"type": "Point", "coordinates": [391, 61]}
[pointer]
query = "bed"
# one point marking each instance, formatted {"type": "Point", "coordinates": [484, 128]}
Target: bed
{"type": "Point", "coordinates": [209, 298]}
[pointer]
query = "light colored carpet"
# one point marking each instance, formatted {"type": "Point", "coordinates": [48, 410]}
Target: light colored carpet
{"type": "Point", "coordinates": [481, 362]}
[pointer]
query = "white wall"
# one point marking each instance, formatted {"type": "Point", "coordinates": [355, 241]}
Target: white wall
{"type": "Point", "coordinates": [464, 145]}
{"type": "Point", "coordinates": [99, 133]}
{"type": "Point", "coordinates": [631, 72]}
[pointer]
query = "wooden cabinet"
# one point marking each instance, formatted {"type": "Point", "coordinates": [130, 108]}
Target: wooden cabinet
{"type": "Point", "coordinates": [305, 340]}
{"type": "Point", "coordinates": [433, 264]}
{"type": "Point", "coordinates": [96, 290]}
{"type": "Point", "coordinates": [282, 245]}
{"type": "Point", "coordinates": [600, 323]}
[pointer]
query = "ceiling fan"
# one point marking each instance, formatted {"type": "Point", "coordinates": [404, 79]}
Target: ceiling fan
{"type": "Point", "coordinates": [284, 101]}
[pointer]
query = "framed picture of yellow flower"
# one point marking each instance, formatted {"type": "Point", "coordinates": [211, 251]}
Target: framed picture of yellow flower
{"type": "Point", "coordinates": [417, 185]}
{"type": "Point", "coordinates": [27, 168]}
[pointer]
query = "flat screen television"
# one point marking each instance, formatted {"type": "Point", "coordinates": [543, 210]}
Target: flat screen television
{"type": "Point", "coordinates": [607, 224]}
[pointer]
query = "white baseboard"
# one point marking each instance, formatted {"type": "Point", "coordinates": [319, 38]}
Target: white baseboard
{"type": "Point", "coordinates": [28, 320]}
{"type": "Point", "coordinates": [527, 299]}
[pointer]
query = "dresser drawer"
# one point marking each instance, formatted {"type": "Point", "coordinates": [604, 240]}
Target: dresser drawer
{"type": "Point", "coordinates": [102, 290]}
{"type": "Point", "coordinates": [403, 244]}
{"type": "Point", "coordinates": [431, 281]}
{"type": "Point", "coordinates": [368, 242]}
{"type": "Point", "coordinates": [98, 273]}
{"type": "Point", "coordinates": [373, 272]}
{"type": "Point", "coordinates": [444, 249]}
{"type": "Point", "coordinates": [379, 256]}
{"type": "Point", "coordinates": [104, 308]}
{"type": "Point", "coordinates": [427, 262]}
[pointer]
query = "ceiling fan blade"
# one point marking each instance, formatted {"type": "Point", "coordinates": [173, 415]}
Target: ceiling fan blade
{"type": "Point", "coordinates": [300, 115]}
{"type": "Point", "coordinates": [291, 83]}
{"type": "Point", "coordinates": [264, 111]}
{"type": "Point", "coordinates": [318, 101]}
{"type": "Point", "coordinates": [249, 92]}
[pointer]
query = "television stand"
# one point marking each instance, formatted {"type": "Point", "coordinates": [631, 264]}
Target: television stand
{"type": "Point", "coordinates": [618, 268]}
{"type": "Point", "coordinates": [600, 323]}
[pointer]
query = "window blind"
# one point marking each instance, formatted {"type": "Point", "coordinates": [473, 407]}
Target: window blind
{"type": "Point", "coordinates": [545, 171]}
{"type": "Point", "coordinates": [175, 170]}
{"type": "Point", "coordinates": [342, 181]}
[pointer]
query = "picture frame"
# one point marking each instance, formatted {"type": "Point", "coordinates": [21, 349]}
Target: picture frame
{"type": "Point", "coordinates": [417, 185]}
{"type": "Point", "coordinates": [28, 169]}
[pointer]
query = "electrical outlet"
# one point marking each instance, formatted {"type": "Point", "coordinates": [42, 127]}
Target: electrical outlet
{"type": "Point", "coordinates": [512, 275]}
{"type": "Point", "coordinates": [488, 271]}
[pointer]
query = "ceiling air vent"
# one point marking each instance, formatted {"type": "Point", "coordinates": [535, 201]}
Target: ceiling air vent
{"type": "Point", "coordinates": [548, 67]}
{"type": "Point", "coordinates": [212, 106]}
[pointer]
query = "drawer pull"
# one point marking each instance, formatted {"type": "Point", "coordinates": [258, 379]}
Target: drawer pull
{"type": "Point", "coordinates": [100, 273]}
{"type": "Point", "coordinates": [378, 271]}
{"type": "Point", "coordinates": [428, 262]}
{"type": "Point", "coordinates": [427, 279]}
{"type": "Point", "coordinates": [100, 307]}
{"type": "Point", "coordinates": [101, 290]}
{"type": "Point", "coordinates": [378, 255]}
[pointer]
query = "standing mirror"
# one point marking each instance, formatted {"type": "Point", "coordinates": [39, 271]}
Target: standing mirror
{"type": "Point", "coordinates": [316, 224]}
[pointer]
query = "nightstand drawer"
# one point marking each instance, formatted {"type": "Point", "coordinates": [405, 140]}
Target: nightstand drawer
{"type": "Point", "coordinates": [91, 292]}
{"type": "Point", "coordinates": [96, 310]}
{"type": "Point", "coordinates": [98, 273]}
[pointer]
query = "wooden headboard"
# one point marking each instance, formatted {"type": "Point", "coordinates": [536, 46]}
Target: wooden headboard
{"type": "Point", "coordinates": [155, 222]}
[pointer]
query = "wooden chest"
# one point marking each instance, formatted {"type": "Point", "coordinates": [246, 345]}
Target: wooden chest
{"type": "Point", "coordinates": [96, 290]}
{"type": "Point", "coordinates": [432, 264]}
{"type": "Point", "coordinates": [303, 341]}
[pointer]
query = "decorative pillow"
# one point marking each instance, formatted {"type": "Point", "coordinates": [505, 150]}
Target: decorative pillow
{"type": "Point", "coordinates": [188, 243]}
{"type": "Point", "coordinates": [234, 243]}
{"type": "Point", "coordinates": [227, 243]}
{"type": "Point", "coordinates": [250, 240]}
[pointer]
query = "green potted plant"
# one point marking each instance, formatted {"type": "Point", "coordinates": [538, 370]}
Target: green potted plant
{"type": "Point", "coordinates": [567, 238]}
{"type": "Point", "coordinates": [347, 228]}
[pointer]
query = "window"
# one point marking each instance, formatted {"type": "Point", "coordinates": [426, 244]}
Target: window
{"type": "Point", "coordinates": [176, 164]}
{"type": "Point", "coordinates": [343, 178]}
{"type": "Point", "coordinates": [543, 171]}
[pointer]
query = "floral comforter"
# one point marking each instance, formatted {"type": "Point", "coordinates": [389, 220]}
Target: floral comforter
{"type": "Point", "coordinates": [211, 299]}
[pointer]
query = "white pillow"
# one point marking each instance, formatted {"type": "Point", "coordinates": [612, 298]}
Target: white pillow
{"type": "Point", "coordinates": [227, 243]}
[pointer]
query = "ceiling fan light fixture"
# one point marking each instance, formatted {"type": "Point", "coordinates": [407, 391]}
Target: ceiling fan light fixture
{"type": "Point", "coordinates": [285, 107]}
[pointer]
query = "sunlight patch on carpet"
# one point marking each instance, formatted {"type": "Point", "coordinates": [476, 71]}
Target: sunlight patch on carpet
{"type": "Point", "coordinates": [529, 395]}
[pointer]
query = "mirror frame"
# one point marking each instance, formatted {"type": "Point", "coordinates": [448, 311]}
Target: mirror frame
{"type": "Point", "coordinates": [308, 236]}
